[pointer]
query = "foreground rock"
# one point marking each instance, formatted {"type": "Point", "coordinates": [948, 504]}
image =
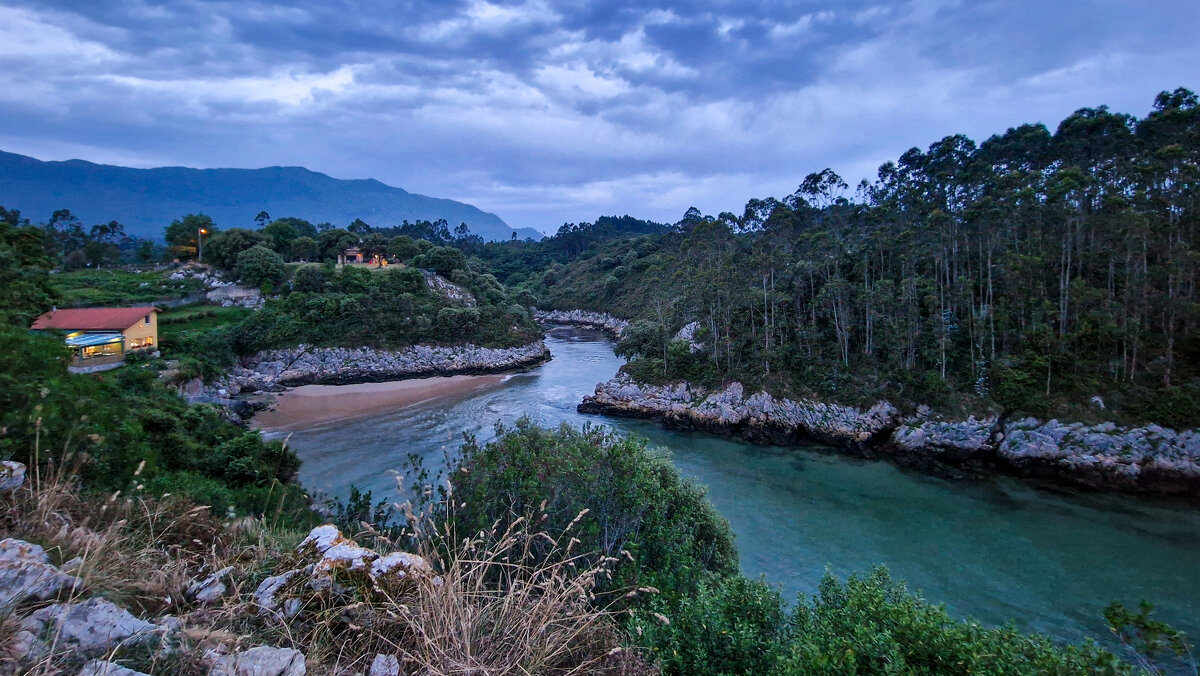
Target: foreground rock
{"type": "Point", "coordinates": [1140, 459]}
{"type": "Point", "coordinates": [102, 668]}
{"type": "Point", "coordinates": [87, 629]}
{"type": "Point", "coordinates": [272, 370]}
{"type": "Point", "coordinates": [26, 573]}
{"type": "Point", "coordinates": [260, 661]}
{"type": "Point", "coordinates": [12, 475]}
{"type": "Point", "coordinates": [331, 564]}
{"type": "Point", "coordinates": [593, 320]}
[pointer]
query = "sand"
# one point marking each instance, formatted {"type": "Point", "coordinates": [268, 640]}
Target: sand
{"type": "Point", "coordinates": [312, 404]}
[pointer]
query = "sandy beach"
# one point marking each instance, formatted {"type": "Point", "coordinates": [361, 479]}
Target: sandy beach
{"type": "Point", "coordinates": [310, 404]}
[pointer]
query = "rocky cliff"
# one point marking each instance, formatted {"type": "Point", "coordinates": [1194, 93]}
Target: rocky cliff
{"type": "Point", "coordinates": [1138, 459]}
{"type": "Point", "coordinates": [603, 321]}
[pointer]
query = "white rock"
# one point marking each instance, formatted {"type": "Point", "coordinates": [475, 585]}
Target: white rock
{"type": "Point", "coordinates": [26, 573]}
{"type": "Point", "coordinates": [210, 588]}
{"type": "Point", "coordinates": [92, 627]}
{"type": "Point", "coordinates": [261, 661]}
{"type": "Point", "coordinates": [384, 665]}
{"type": "Point", "coordinates": [265, 595]}
{"type": "Point", "coordinates": [102, 668]}
{"type": "Point", "coordinates": [12, 475]}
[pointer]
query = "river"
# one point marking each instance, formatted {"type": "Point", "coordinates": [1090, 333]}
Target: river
{"type": "Point", "coordinates": [997, 550]}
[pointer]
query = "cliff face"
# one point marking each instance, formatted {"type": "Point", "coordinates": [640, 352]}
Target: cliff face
{"type": "Point", "coordinates": [1140, 459]}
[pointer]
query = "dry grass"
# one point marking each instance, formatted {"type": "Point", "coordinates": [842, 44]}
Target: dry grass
{"type": "Point", "coordinates": [493, 608]}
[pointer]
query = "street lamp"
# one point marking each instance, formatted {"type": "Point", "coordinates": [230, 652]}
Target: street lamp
{"type": "Point", "coordinates": [200, 245]}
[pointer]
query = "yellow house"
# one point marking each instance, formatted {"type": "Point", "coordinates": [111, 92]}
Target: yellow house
{"type": "Point", "coordinates": [100, 337]}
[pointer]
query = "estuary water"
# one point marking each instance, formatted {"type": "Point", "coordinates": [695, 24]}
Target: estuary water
{"type": "Point", "coordinates": [995, 549]}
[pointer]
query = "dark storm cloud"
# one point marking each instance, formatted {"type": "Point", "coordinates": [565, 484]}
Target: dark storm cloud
{"type": "Point", "coordinates": [554, 111]}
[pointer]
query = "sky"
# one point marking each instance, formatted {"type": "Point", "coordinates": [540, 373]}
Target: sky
{"type": "Point", "coordinates": [554, 112]}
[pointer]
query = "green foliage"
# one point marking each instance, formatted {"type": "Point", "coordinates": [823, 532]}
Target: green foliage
{"type": "Point", "coordinates": [873, 625]}
{"type": "Point", "coordinates": [120, 287]}
{"type": "Point", "coordinates": [443, 260]}
{"type": "Point", "coordinates": [125, 428]}
{"type": "Point", "coordinates": [183, 234]}
{"type": "Point", "coordinates": [260, 266]}
{"type": "Point", "coordinates": [636, 502]}
{"type": "Point", "coordinates": [1156, 646]}
{"type": "Point", "coordinates": [223, 248]}
{"type": "Point", "coordinates": [26, 290]}
{"type": "Point", "coordinates": [1024, 275]}
{"type": "Point", "coordinates": [729, 626]}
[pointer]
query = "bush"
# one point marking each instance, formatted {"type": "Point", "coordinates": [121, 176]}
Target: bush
{"type": "Point", "coordinates": [635, 501]}
{"type": "Point", "coordinates": [260, 266]}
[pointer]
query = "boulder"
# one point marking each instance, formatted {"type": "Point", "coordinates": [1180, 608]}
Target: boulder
{"type": "Point", "coordinates": [210, 588]}
{"type": "Point", "coordinates": [268, 590]}
{"type": "Point", "coordinates": [384, 665]}
{"type": "Point", "coordinates": [26, 573]}
{"type": "Point", "coordinates": [12, 475]}
{"type": "Point", "coordinates": [89, 628]}
{"type": "Point", "coordinates": [260, 661]}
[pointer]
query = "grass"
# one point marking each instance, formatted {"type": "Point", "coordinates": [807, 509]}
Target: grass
{"type": "Point", "coordinates": [85, 288]}
{"type": "Point", "coordinates": [197, 318]}
{"type": "Point", "coordinates": [488, 610]}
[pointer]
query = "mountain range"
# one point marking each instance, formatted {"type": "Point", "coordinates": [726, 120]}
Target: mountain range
{"type": "Point", "coordinates": [146, 200]}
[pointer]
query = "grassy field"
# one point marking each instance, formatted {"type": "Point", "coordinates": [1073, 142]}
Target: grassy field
{"type": "Point", "coordinates": [196, 318]}
{"type": "Point", "coordinates": [83, 288]}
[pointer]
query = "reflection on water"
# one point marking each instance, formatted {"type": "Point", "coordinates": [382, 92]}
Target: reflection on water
{"type": "Point", "coordinates": [997, 550]}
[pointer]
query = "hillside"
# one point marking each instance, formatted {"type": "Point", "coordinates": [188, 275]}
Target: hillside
{"type": "Point", "coordinates": [145, 200]}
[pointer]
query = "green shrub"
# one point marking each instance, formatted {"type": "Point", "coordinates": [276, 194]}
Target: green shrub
{"type": "Point", "coordinates": [636, 501]}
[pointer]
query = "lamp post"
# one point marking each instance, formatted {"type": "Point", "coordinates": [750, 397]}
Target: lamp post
{"type": "Point", "coordinates": [200, 245]}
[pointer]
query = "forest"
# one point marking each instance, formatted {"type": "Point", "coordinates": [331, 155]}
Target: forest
{"type": "Point", "coordinates": [1030, 273]}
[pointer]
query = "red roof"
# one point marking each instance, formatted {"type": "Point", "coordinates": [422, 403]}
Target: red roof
{"type": "Point", "coordinates": [93, 318]}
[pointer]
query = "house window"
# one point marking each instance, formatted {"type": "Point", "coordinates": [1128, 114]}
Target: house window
{"type": "Point", "coordinates": [139, 343]}
{"type": "Point", "coordinates": [147, 319]}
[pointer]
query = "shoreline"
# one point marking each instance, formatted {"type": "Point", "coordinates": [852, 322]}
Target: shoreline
{"type": "Point", "coordinates": [307, 405]}
{"type": "Point", "coordinates": [1147, 460]}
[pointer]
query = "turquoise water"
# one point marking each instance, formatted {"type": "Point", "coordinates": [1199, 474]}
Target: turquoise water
{"type": "Point", "coordinates": [996, 549]}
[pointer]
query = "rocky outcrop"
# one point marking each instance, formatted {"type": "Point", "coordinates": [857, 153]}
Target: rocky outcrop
{"type": "Point", "coordinates": [26, 573]}
{"type": "Point", "coordinates": [259, 661]}
{"type": "Point", "coordinates": [593, 320]}
{"type": "Point", "coordinates": [87, 629]}
{"type": "Point", "coordinates": [204, 273]}
{"type": "Point", "coordinates": [331, 564]}
{"type": "Point", "coordinates": [759, 417]}
{"type": "Point", "coordinates": [448, 289]}
{"type": "Point", "coordinates": [103, 668]}
{"type": "Point", "coordinates": [1109, 457]}
{"type": "Point", "coordinates": [273, 370]}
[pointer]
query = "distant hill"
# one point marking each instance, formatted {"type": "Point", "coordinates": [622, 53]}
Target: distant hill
{"type": "Point", "coordinates": [146, 200]}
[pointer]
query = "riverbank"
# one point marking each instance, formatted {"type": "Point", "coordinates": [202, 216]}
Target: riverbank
{"type": "Point", "coordinates": [313, 404]}
{"type": "Point", "coordinates": [274, 370]}
{"type": "Point", "coordinates": [602, 321]}
{"type": "Point", "coordinates": [1148, 459]}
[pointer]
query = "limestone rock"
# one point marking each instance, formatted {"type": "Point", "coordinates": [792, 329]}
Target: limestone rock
{"type": "Point", "coordinates": [26, 573]}
{"type": "Point", "coordinates": [102, 668]}
{"type": "Point", "coordinates": [12, 475]}
{"type": "Point", "coordinates": [271, 370]}
{"type": "Point", "coordinates": [268, 590]}
{"type": "Point", "coordinates": [593, 320]}
{"type": "Point", "coordinates": [260, 661]}
{"type": "Point", "coordinates": [91, 627]}
{"type": "Point", "coordinates": [384, 665]}
{"type": "Point", "coordinates": [210, 588]}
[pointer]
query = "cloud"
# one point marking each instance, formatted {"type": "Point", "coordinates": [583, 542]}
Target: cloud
{"type": "Point", "coordinates": [552, 112]}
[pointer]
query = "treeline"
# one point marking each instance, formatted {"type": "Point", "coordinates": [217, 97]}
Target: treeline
{"type": "Point", "coordinates": [1030, 272]}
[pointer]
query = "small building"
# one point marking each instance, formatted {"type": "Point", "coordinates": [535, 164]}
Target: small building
{"type": "Point", "coordinates": [351, 255]}
{"type": "Point", "coordinates": [100, 337]}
